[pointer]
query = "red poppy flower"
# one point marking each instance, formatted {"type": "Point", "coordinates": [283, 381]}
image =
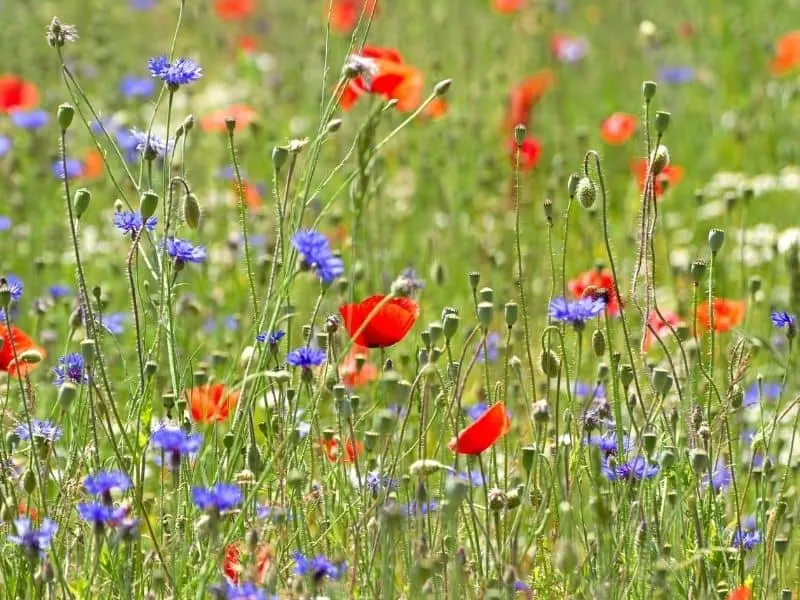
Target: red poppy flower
{"type": "Point", "coordinates": [436, 109]}
{"type": "Point", "coordinates": [355, 370]}
{"type": "Point", "coordinates": [16, 93]}
{"type": "Point", "coordinates": [93, 165]}
{"type": "Point", "coordinates": [661, 327]}
{"type": "Point", "coordinates": [507, 7]}
{"type": "Point", "coordinates": [246, 43]}
{"type": "Point", "coordinates": [344, 14]}
{"type": "Point", "coordinates": [22, 344]}
{"type": "Point", "coordinates": [529, 152]}
{"type": "Point", "coordinates": [596, 282]}
{"type": "Point", "coordinates": [741, 593]}
{"type": "Point", "coordinates": [787, 54]}
{"type": "Point", "coordinates": [672, 174]}
{"type": "Point", "coordinates": [333, 450]}
{"type": "Point", "coordinates": [483, 431]}
{"type": "Point", "coordinates": [23, 510]}
{"type": "Point", "coordinates": [618, 128]}
{"type": "Point", "coordinates": [393, 79]}
{"type": "Point", "coordinates": [252, 197]}
{"type": "Point", "coordinates": [234, 10]}
{"type": "Point", "coordinates": [233, 568]}
{"type": "Point", "coordinates": [388, 325]}
{"type": "Point", "coordinates": [524, 97]}
{"type": "Point", "coordinates": [211, 403]}
{"type": "Point", "coordinates": [214, 121]}
{"type": "Point", "coordinates": [727, 314]}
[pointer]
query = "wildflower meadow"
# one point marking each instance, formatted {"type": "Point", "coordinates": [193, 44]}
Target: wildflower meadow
{"type": "Point", "coordinates": [399, 299]}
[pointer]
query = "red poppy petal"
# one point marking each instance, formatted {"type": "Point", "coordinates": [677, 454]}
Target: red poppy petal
{"type": "Point", "coordinates": [483, 432]}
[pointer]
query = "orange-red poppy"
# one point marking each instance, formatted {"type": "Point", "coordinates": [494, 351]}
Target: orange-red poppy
{"type": "Point", "coordinates": [741, 593]}
{"type": "Point", "coordinates": [333, 449]}
{"type": "Point", "coordinates": [214, 121]}
{"type": "Point", "coordinates": [672, 175]}
{"type": "Point", "coordinates": [388, 325]}
{"type": "Point", "coordinates": [247, 43]}
{"type": "Point", "coordinates": [727, 314]}
{"type": "Point", "coordinates": [392, 78]}
{"type": "Point", "coordinates": [27, 511]}
{"type": "Point", "coordinates": [507, 7]}
{"type": "Point", "coordinates": [483, 431]}
{"type": "Point", "coordinates": [787, 54]}
{"type": "Point", "coordinates": [524, 97]}
{"type": "Point", "coordinates": [17, 94]}
{"type": "Point", "coordinates": [93, 165]}
{"type": "Point", "coordinates": [618, 128]}
{"type": "Point", "coordinates": [234, 10]}
{"type": "Point", "coordinates": [16, 340]}
{"type": "Point", "coordinates": [660, 326]}
{"type": "Point", "coordinates": [233, 568]}
{"type": "Point", "coordinates": [436, 109]}
{"type": "Point", "coordinates": [209, 403]}
{"type": "Point", "coordinates": [252, 197]}
{"type": "Point", "coordinates": [530, 150]}
{"type": "Point", "coordinates": [355, 370]}
{"type": "Point", "coordinates": [344, 14]}
{"type": "Point", "coordinates": [596, 282]}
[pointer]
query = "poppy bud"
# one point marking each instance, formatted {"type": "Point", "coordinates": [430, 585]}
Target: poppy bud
{"type": "Point", "coordinates": [65, 114]}
{"type": "Point", "coordinates": [662, 381]}
{"type": "Point", "coordinates": [148, 204]}
{"type": "Point", "coordinates": [474, 280]}
{"type": "Point", "coordinates": [659, 160]}
{"type": "Point", "coordinates": [188, 124]}
{"type": "Point", "coordinates": [88, 347]}
{"type": "Point", "coordinates": [486, 295]}
{"type": "Point", "coordinates": [699, 460]}
{"type": "Point", "coordinates": [626, 375]}
{"type": "Point", "coordinates": [586, 192]}
{"type": "Point", "coordinates": [296, 479]}
{"type": "Point", "coordinates": [485, 313]}
{"type": "Point", "coordinates": [548, 210]}
{"type": "Point", "coordinates": [254, 459]}
{"type": "Point", "coordinates": [541, 411]}
{"type": "Point", "coordinates": [191, 211]}
{"type": "Point", "coordinates": [519, 134]}
{"type": "Point", "coordinates": [528, 454]}
{"type": "Point", "coordinates": [650, 439]}
{"type": "Point", "coordinates": [662, 121]}
{"type": "Point", "coordinates": [572, 184]}
{"type": "Point", "coordinates": [31, 357]}
{"type": "Point", "coordinates": [441, 88]}
{"type": "Point", "coordinates": [279, 156]}
{"type": "Point", "coordinates": [668, 458]}
{"type": "Point", "coordinates": [511, 313]}
{"type": "Point", "coordinates": [29, 481]}
{"type": "Point", "coordinates": [754, 285]}
{"type": "Point", "coordinates": [716, 237]}
{"type": "Point", "coordinates": [333, 126]}
{"type": "Point", "coordinates": [150, 368]}
{"type": "Point", "coordinates": [548, 361]}
{"type": "Point", "coordinates": [66, 394]}
{"type": "Point", "coordinates": [649, 90]}
{"type": "Point", "coordinates": [598, 343]}
{"type": "Point", "coordinates": [384, 421]}
{"type": "Point", "coordinates": [497, 499]}
{"type": "Point", "coordinates": [602, 372]}
{"type": "Point", "coordinates": [81, 201]}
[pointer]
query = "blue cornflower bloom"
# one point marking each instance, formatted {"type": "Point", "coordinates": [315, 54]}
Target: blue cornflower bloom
{"type": "Point", "coordinates": [184, 252]}
{"type": "Point", "coordinates": [318, 567]}
{"type": "Point", "coordinates": [101, 484]}
{"type": "Point", "coordinates": [316, 253]}
{"type": "Point", "coordinates": [114, 323]}
{"type": "Point", "coordinates": [767, 391]}
{"type": "Point", "coordinates": [721, 477]}
{"type": "Point", "coordinates": [5, 145]}
{"type": "Point", "coordinates": [141, 141]}
{"type": "Point", "coordinates": [306, 357]}
{"type": "Point", "coordinates": [303, 429]}
{"type": "Point", "coordinates": [40, 429]}
{"type": "Point", "coordinates": [677, 74]}
{"type": "Point", "coordinates": [375, 482]}
{"type": "Point", "coordinates": [218, 498]}
{"type": "Point", "coordinates": [576, 312]}
{"type": "Point", "coordinates": [175, 443]}
{"type": "Point", "coordinates": [476, 410]}
{"type": "Point", "coordinates": [5, 222]}
{"type": "Point", "coordinates": [181, 72]}
{"type": "Point", "coordinates": [638, 468]}
{"type": "Point", "coordinates": [271, 337]}
{"type": "Point", "coordinates": [132, 86]}
{"type": "Point", "coordinates": [128, 221]}
{"type": "Point", "coordinates": [70, 368]}
{"type": "Point", "coordinates": [492, 347]}
{"type": "Point", "coordinates": [607, 442]}
{"type": "Point", "coordinates": [781, 319]}
{"type": "Point", "coordinates": [34, 541]}
{"type": "Point", "coordinates": [142, 4]}
{"type": "Point", "coordinates": [276, 514]}
{"type": "Point", "coordinates": [244, 591]}
{"type": "Point", "coordinates": [232, 323]}
{"type": "Point", "coordinates": [745, 539]}
{"type": "Point", "coordinates": [413, 508]}
{"type": "Point", "coordinates": [74, 168]}
{"type": "Point", "coordinates": [30, 119]}
{"type": "Point", "coordinates": [474, 478]}
{"type": "Point", "coordinates": [15, 286]}
{"type": "Point", "coordinates": [59, 291]}
{"type": "Point", "coordinates": [587, 390]}
{"type": "Point", "coordinates": [99, 514]}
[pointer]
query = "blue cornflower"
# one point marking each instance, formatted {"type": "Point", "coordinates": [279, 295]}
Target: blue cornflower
{"type": "Point", "coordinates": [30, 119]}
{"type": "Point", "coordinates": [183, 251]}
{"type": "Point", "coordinates": [638, 468]}
{"type": "Point", "coordinates": [413, 508]}
{"type": "Point", "coordinates": [71, 368]}
{"type": "Point", "coordinates": [218, 498]}
{"type": "Point", "coordinates": [474, 478]}
{"type": "Point", "coordinates": [607, 442]}
{"type": "Point", "coordinates": [232, 323]}
{"type": "Point", "coordinates": [271, 337]}
{"type": "Point", "coordinates": [40, 429]}
{"type": "Point", "coordinates": [407, 283]}
{"type": "Point", "coordinates": [142, 4]}
{"type": "Point", "coordinates": [132, 86]}
{"type": "Point", "coordinates": [306, 357]}
{"type": "Point", "coordinates": [15, 286]}
{"type": "Point", "coordinates": [99, 515]}
{"type": "Point", "coordinates": [375, 482]}
{"type": "Point", "coordinates": [130, 222]}
{"type": "Point", "coordinates": [175, 443]}
{"type": "Point", "coordinates": [586, 390]}
{"type": "Point", "coordinates": [276, 514]}
{"type": "Point", "coordinates": [114, 323]}
{"type": "Point", "coordinates": [181, 72]}
{"type": "Point", "coordinates": [303, 429]}
{"type": "Point", "coordinates": [492, 347]}
{"type": "Point", "coordinates": [103, 482]}
{"type": "Point", "coordinates": [316, 253]}
{"type": "Point", "coordinates": [745, 539]}
{"type": "Point", "coordinates": [59, 291]}
{"type": "Point", "coordinates": [721, 477]}
{"type": "Point", "coordinates": [677, 74]}
{"type": "Point", "coordinates": [781, 319]}
{"type": "Point", "coordinates": [576, 312]}
{"type": "Point", "coordinates": [244, 591]}
{"type": "Point", "coordinates": [767, 391]}
{"type": "Point", "coordinates": [5, 145]}
{"type": "Point", "coordinates": [318, 567]}
{"type": "Point", "coordinates": [5, 222]}
{"type": "Point", "coordinates": [476, 410]}
{"type": "Point", "coordinates": [34, 541]}
{"type": "Point", "coordinates": [74, 168]}
{"type": "Point", "coordinates": [142, 141]}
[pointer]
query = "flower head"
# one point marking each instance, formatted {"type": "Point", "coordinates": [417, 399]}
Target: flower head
{"type": "Point", "coordinates": [30, 119]}
{"type": "Point", "coordinates": [745, 539]}
{"type": "Point", "coordinates": [210, 403]}
{"type": "Point", "coordinates": [375, 482]}
{"type": "Point", "coordinates": [607, 443]}
{"type": "Point", "coordinates": [99, 514]}
{"type": "Point", "coordinates": [576, 312]}
{"type": "Point", "coordinates": [721, 477]}
{"type": "Point", "coordinates": [782, 319]}
{"type": "Point", "coordinates": [145, 143]}
{"type": "Point", "coordinates": [15, 286]}
{"type": "Point", "coordinates": [132, 86]}
{"type": "Point", "coordinates": [114, 323]}
{"type": "Point", "coordinates": [596, 283]}
{"type": "Point", "coordinates": [726, 314]}
{"type": "Point", "coordinates": [184, 252]}
{"type": "Point", "coordinates": [175, 442]}
{"type": "Point", "coordinates": [315, 251]}
{"type": "Point", "coordinates": [131, 222]}
{"type": "Point", "coordinates": [45, 430]}
{"type": "Point", "coordinates": [272, 337]}
{"type": "Point", "coordinates": [101, 484]}
{"type": "Point", "coordinates": [180, 72]}
{"type": "Point", "coordinates": [73, 169]}
{"type": "Point", "coordinates": [483, 432]}
{"type": "Point", "coordinates": [756, 391]}
{"type": "Point", "coordinates": [677, 74]}
{"type": "Point", "coordinates": [218, 498]}
{"type": "Point", "coordinates": [412, 509]}
{"type": "Point", "coordinates": [378, 321]}
{"type": "Point", "coordinates": [306, 357]}
{"type": "Point", "coordinates": [635, 469]}
{"type": "Point", "coordinates": [317, 567]}
{"type": "Point", "coordinates": [492, 350]}
{"type": "Point", "coordinates": [71, 368]}
{"type": "Point", "coordinates": [34, 541]}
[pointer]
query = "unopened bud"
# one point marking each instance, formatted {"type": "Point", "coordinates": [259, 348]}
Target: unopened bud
{"type": "Point", "coordinates": [148, 204]}
{"type": "Point", "coordinates": [191, 211]}
{"type": "Point", "coordinates": [81, 202]}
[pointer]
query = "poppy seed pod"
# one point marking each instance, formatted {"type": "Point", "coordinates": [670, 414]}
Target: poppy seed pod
{"type": "Point", "coordinates": [528, 454]}
{"type": "Point", "coordinates": [150, 368]}
{"type": "Point", "coordinates": [81, 201]}
{"type": "Point", "coordinates": [520, 131]}
{"type": "Point", "coordinates": [598, 343]}
{"type": "Point", "coordinates": [626, 375]}
{"type": "Point", "coordinates": [649, 90]}
{"type": "Point", "coordinates": [485, 313]}
{"type": "Point", "coordinates": [66, 394]}
{"type": "Point", "coordinates": [662, 381]}
{"type": "Point", "coordinates": [699, 460]}
{"type": "Point", "coordinates": [279, 156]}
{"type": "Point", "coordinates": [698, 270]}
{"type": "Point", "coordinates": [586, 192]}
{"type": "Point", "coordinates": [486, 295]}
{"type": "Point", "coordinates": [662, 121]}
{"type": "Point", "coordinates": [65, 114]}
{"type": "Point", "coordinates": [548, 361]}
{"type": "Point", "coordinates": [572, 184]}
{"type": "Point", "coordinates": [511, 313]}
{"type": "Point", "coordinates": [29, 481]}
{"type": "Point", "coordinates": [716, 237]}
{"type": "Point", "coordinates": [659, 160]}
{"type": "Point", "coordinates": [148, 204]}
{"type": "Point", "coordinates": [441, 88]}
{"type": "Point", "coordinates": [474, 280]}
